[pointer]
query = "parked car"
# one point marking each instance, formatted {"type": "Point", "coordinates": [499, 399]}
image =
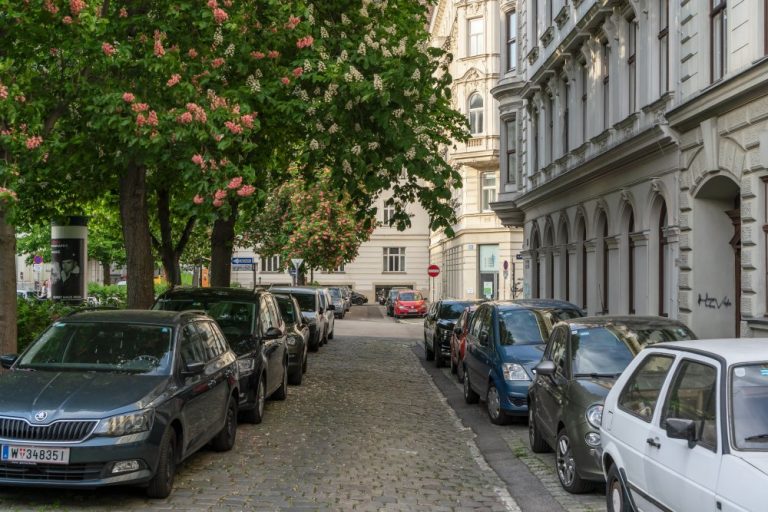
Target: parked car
{"type": "Point", "coordinates": [329, 309]}
{"type": "Point", "coordinates": [582, 361]}
{"type": "Point", "coordinates": [346, 292]}
{"type": "Point", "coordinates": [297, 331]}
{"type": "Point", "coordinates": [358, 299]}
{"type": "Point", "coordinates": [555, 310]}
{"type": "Point", "coordinates": [686, 428]}
{"type": "Point", "coordinates": [409, 303]}
{"type": "Point", "coordinates": [338, 301]}
{"type": "Point", "coordinates": [312, 309]}
{"type": "Point", "coordinates": [116, 397]}
{"type": "Point", "coordinates": [505, 341]}
{"type": "Point", "coordinates": [438, 328]}
{"type": "Point", "coordinates": [459, 342]}
{"type": "Point", "coordinates": [390, 302]}
{"type": "Point", "coordinates": [251, 322]}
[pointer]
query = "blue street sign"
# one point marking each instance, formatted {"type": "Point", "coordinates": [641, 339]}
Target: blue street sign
{"type": "Point", "coordinates": [242, 261]}
{"type": "Point", "coordinates": [292, 271]}
{"type": "Point", "coordinates": [519, 256]}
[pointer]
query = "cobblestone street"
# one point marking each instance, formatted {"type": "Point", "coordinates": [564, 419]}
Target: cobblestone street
{"type": "Point", "coordinates": [368, 430]}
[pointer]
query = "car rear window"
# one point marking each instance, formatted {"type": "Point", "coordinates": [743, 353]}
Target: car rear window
{"type": "Point", "coordinates": [452, 310]}
{"type": "Point", "coordinates": [286, 308]}
{"type": "Point", "coordinates": [236, 318]}
{"type": "Point", "coordinates": [335, 293]}
{"type": "Point", "coordinates": [306, 301]}
{"type": "Point", "coordinates": [598, 350]}
{"type": "Point", "coordinates": [521, 327]}
{"type": "Point", "coordinates": [410, 296]}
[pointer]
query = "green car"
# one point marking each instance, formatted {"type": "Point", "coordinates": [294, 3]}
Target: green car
{"type": "Point", "coordinates": [582, 360]}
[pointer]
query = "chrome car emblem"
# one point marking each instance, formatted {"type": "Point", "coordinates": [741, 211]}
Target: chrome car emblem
{"type": "Point", "coordinates": [40, 416]}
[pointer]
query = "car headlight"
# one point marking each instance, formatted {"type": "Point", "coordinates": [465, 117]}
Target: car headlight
{"type": "Point", "coordinates": [595, 416]}
{"type": "Point", "coordinates": [126, 424]}
{"type": "Point", "coordinates": [291, 341]}
{"type": "Point", "coordinates": [246, 365]}
{"type": "Point", "coordinates": [514, 371]}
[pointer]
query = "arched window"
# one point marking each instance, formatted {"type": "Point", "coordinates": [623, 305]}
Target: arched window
{"type": "Point", "coordinates": [605, 262]}
{"type": "Point", "coordinates": [565, 264]}
{"type": "Point", "coordinates": [475, 114]}
{"type": "Point", "coordinates": [535, 246]}
{"type": "Point", "coordinates": [549, 242]}
{"type": "Point", "coordinates": [582, 237]}
{"type": "Point", "coordinates": [662, 259]}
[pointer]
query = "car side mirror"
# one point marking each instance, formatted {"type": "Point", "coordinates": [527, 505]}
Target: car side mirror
{"type": "Point", "coordinates": [7, 360]}
{"type": "Point", "coordinates": [273, 333]}
{"type": "Point", "coordinates": [194, 368]}
{"type": "Point", "coordinates": [545, 368]}
{"type": "Point", "coordinates": [678, 428]}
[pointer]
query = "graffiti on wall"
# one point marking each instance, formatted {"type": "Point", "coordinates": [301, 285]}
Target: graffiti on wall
{"type": "Point", "coordinates": [713, 303]}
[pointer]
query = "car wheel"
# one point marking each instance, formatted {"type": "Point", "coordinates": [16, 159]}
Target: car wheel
{"type": "Point", "coordinates": [460, 371]}
{"type": "Point", "coordinates": [470, 396]}
{"type": "Point", "coordinates": [295, 376]}
{"type": "Point", "coordinates": [439, 363]}
{"type": "Point", "coordinates": [161, 485]}
{"type": "Point", "coordinates": [428, 354]}
{"type": "Point", "coordinates": [225, 439]}
{"type": "Point", "coordinates": [304, 364]}
{"type": "Point", "coordinates": [538, 445]}
{"type": "Point", "coordinates": [330, 336]}
{"type": "Point", "coordinates": [615, 493]}
{"type": "Point", "coordinates": [256, 414]}
{"type": "Point", "coordinates": [493, 405]}
{"type": "Point", "coordinates": [282, 391]}
{"type": "Point", "coordinates": [565, 464]}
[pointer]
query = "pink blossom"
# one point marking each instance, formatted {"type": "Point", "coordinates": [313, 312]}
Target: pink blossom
{"type": "Point", "coordinates": [7, 192]}
{"type": "Point", "coordinates": [198, 160]}
{"type": "Point", "coordinates": [175, 78]}
{"type": "Point", "coordinates": [285, 80]}
{"type": "Point", "coordinates": [297, 72]}
{"type": "Point", "coordinates": [293, 21]}
{"type": "Point", "coordinates": [246, 190]}
{"type": "Point", "coordinates": [213, 4]}
{"type": "Point", "coordinates": [257, 55]}
{"type": "Point", "coordinates": [20, 98]}
{"type": "Point", "coordinates": [217, 203]}
{"type": "Point", "coordinates": [198, 199]}
{"type": "Point", "coordinates": [247, 120]}
{"type": "Point", "coordinates": [273, 54]}
{"type": "Point", "coordinates": [192, 53]}
{"type": "Point", "coordinates": [34, 142]}
{"type": "Point", "coordinates": [108, 49]}
{"type": "Point", "coordinates": [67, 20]}
{"type": "Point", "coordinates": [128, 97]}
{"type": "Point", "coordinates": [152, 118]}
{"type": "Point", "coordinates": [227, 3]}
{"type": "Point", "coordinates": [217, 137]}
{"type": "Point", "coordinates": [234, 127]}
{"type": "Point", "coordinates": [54, 51]}
{"type": "Point", "coordinates": [3, 92]}
{"type": "Point", "coordinates": [185, 118]}
{"type": "Point", "coordinates": [220, 15]}
{"type": "Point", "coordinates": [159, 50]}
{"type": "Point", "coordinates": [220, 194]}
{"type": "Point", "coordinates": [305, 42]}
{"type": "Point", "coordinates": [217, 62]}
{"type": "Point", "coordinates": [50, 7]}
{"type": "Point", "coordinates": [139, 107]}
{"type": "Point", "coordinates": [141, 120]}
{"type": "Point", "coordinates": [123, 12]}
{"type": "Point", "coordinates": [75, 6]}
{"type": "Point", "coordinates": [235, 183]}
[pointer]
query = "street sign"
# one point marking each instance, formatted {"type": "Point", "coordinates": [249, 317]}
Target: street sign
{"type": "Point", "coordinates": [519, 256]}
{"type": "Point", "coordinates": [37, 267]}
{"type": "Point", "coordinates": [240, 267]}
{"type": "Point", "coordinates": [433, 270]}
{"type": "Point", "coordinates": [242, 261]}
{"type": "Point", "coordinates": [37, 259]}
{"type": "Point", "coordinates": [297, 262]}
{"type": "Point", "coordinates": [292, 271]}
{"type": "Point", "coordinates": [506, 266]}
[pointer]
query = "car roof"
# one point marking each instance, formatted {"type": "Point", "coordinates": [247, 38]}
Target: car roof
{"type": "Point", "coordinates": [131, 316]}
{"type": "Point", "coordinates": [547, 303]}
{"type": "Point", "coordinates": [733, 350]}
{"type": "Point", "coordinates": [294, 289]}
{"type": "Point", "coordinates": [631, 321]}
{"type": "Point", "coordinates": [219, 292]}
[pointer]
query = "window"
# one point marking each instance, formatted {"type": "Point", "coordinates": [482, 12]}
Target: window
{"type": "Point", "coordinates": [584, 111]}
{"type": "Point", "coordinates": [632, 65]}
{"type": "Point", "coordinates": [663, 46]}
{"type": "Point", "coordinates": [550, 13]}
{"type": "Point", "coordinates": [566, 120]}
{"type": "Point", "coordinates": [550, 140]}
{"type": "Point", "coordinates": [394, 259]}
{"type": "Point", "coordinates": [584, 268]}
{"type": "Point", "coordinates": [557, 351]}
{"type": "Point", "coordinates": [210, 341]}
{"type": "Point", "coordinates": [475, 114]}
{"type": "Point", "coordinates": [388, 213]}
{"type": "Point", "coordinates": [605, 61]}
{"type": "Point", "coordinates": [511, 40]}
{"type": "Point", "coordinates": [488, 185]}
{"type": "Point", "coordinates": [693, 396]}
{"type": "Point", "coordinates": [662, 260]}
{"type": "Point", "coordinates": [476, 27]}
{"type": "Point", "coordinates": [719, 38]}
{"type": "Point", "coordinates": [270, 264]}
{"type": "Point", "coordinates": [511, 128]}
{"type": "Point", "coordinates": [192, 348]}
{"type": "Point", "coordinates": [631, 263]}
{"type": "Point", "coordinates": [641, 392]}
{"type": "Point", "coordinates": [606, 266]}
{"type": "Point", "coordinates": [534, 22]}
{"type": "Point", "coordinates": [340, 268]}
{"type": "Point", "coordinates": [535, 130]}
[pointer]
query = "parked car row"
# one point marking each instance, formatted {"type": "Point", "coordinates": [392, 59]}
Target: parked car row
{"type": "Point", "coordinates": [123, 396]}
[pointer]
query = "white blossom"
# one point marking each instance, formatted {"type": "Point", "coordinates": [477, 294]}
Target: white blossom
{"type": "Point", "coordinates": [343, 56]}
{"type": "Point", "coordinates": [349, 105]}
{"type": "Point", "coordinates": [345, 165]}
{"type": "Point", "coordinates": [321, 66]}
{"type": "Point", "coordinates": [378, 84]}
{"type": "Point", "coordinates": [344, 19]}
{"type": "Point", "coordinates": [333, 128]}
{"type": "Point", "coordinates": [416, 75]}
{"type": "Point", "coordinates": [258, 73]}
{"type": "Point", "coordinates": [361, 49]}
{"type": "Point", "coordinates": [253, 84]}
{"type": "Point", "coordinates": [307, 65]}
{"type": "Point", "coordinates": [373, 146]}
{"type": "Point", "coordinates": [323, 33]}
{"type": "Point", "coordinates": [230, 51]}
{"type": "Point", "coordinates": [218, 37]}
{"type": "Point", "coordinates": [419, 107]}
{"type": "Point", "coordinates": [398, 113]}
{"type": "Point", "coordinates": [410, 154]}
{"type": "Point", "coordinates": [356, 149]}
{"type": "Point", "coordinates": [313, 145]}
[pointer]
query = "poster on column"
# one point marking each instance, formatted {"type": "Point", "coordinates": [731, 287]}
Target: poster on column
{"type": "Point", "coordinates": [67, 279]}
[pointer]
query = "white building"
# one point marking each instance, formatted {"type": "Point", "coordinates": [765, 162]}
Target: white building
{"type": "Point", "coordinates": [642, 144]}
{"type": "Point", "coordinates": [390, 258]}
{"type": "Point", "coordinates": [472, 262]}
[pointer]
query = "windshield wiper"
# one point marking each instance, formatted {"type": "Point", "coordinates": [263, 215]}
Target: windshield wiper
{"type": "Point", "coordinates": [760, 437]}
{"type": "Point", "coordinates": [598, 375]}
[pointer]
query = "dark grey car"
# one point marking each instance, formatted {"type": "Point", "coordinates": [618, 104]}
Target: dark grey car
{"type": "Point", "coordinates": [581, 363]}
{"type": "Point", "coordinates": [311, 303]}
{"type": "Point", "coordinates": [116, 397]}
{"type": "Point", "coordinates": [298, 337]}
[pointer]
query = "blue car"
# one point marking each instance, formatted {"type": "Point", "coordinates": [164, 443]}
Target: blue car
{"type": "Point", "coordinates": [505, 342]}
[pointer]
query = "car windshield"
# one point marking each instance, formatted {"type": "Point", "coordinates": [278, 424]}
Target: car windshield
{"type": "Point", "coordinates": [306, 301]}
{"type": "Point", "coordinates": [598, 351]}
{"type": "Point", "coordinates": [236, 318]}
{"type": "Point", "coordinates": [335, 293]}
{"type": "Point", "coordinates": [286, 309]}
{"type": "Point", "coordinates": [521, 327]}
{"type": "Point", "coordinates": [410, 296]}
{"type": "Point", "coordinates": [749, 406]}
{"type": "Point", "coordinates": [452, 310]}
{"type": "Point", "coordinates": [101, 347]}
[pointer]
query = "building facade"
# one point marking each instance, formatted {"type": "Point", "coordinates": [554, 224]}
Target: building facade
{"type": "Point", "coordinates": [472, 262]}
{"type": "Point", "coordinates": [390, 258]}
{"type": "Point", "coordinates": [641, 144]}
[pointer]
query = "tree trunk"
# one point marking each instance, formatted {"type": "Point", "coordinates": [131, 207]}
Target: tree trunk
{"type": "Point", "coordinates": [222, 242]}
{"type": "Point", "coordinates": [8, 313]}
{"type": "Point", "coordinates": [169, 254]}
{"type": "Point", "coordinates": [136, 236]}
{"type": "Point", "coordinates": [106, 272]}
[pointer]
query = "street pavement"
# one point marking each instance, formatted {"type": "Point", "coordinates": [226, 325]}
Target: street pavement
{"type": "Point", "coordinates": [373, 427]}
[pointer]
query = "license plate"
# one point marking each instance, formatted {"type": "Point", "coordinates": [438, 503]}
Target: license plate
{"type": "Point", "coordinates": [36, 454]}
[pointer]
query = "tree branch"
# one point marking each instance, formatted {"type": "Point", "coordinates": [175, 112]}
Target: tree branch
{"type": "Point", "coordinates": [185, 235]}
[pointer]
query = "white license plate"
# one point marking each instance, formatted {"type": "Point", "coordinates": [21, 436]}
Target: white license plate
{"type": "Point", "coordinates": [36, 454]}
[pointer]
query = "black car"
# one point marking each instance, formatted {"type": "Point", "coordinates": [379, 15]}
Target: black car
{"type": "Point", "coordinates": [254, 328]}
{"type": "Point", "coordinates": [438, 328]}
{"type": "Point", "coordinates": [298, 336]}
{"type": "Point", "coordinates": [311, 303]}
{"type": "Point", "coordinates": [116, 397]}
{"type": "Point", "coordinates": [358, 299]}
{"type": "Point", "coordinates": [581, 363]}
{"type": "Point", "coordinates": [555, 310]}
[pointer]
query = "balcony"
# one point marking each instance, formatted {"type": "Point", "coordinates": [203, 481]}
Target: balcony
{"type": "Point", "coordinates": [477, 150]}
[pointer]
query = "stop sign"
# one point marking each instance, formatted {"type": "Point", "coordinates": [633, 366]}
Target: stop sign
{"type": "Point", "coordinates": [433, 270]}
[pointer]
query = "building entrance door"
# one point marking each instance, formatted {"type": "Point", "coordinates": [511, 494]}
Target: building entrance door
{"type": "Point", "coordinates": [489, 285]}
{"type": "Point", "coordinates": [488, 277]}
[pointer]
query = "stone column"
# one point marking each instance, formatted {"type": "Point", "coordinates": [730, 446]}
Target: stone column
{"type": "Point", "coordinates": [593, 300]}
{"type": "Point", "coordinates": [642, 283]}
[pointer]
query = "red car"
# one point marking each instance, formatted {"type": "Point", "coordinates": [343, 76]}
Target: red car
{"type": "Point", "coordinates": [409, 303]}
{"type": "Point", "coordinates": [459, 342]}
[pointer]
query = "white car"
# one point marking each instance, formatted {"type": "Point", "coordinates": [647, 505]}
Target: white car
{"type": "Point", "coordinates": [685, 428]}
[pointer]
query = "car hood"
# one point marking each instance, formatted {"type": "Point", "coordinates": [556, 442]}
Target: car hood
{"type": "Point", "coordinates": [526, 355]}
{"type": "Point", "coordinates": [759, 460]}
{"type": "Point", "coordinates": [446, 324]}
{"type": "Point", "coordinates": [591, 390]}
{"type": "Point", "coordinates": [76, 394]}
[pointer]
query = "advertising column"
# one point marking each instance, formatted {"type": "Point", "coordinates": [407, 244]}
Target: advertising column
{"type": "Point", "coordinates": [69, 257]}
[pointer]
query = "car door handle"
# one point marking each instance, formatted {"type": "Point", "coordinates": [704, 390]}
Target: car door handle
{"type": "Point", "coordinates": [651, 441]}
